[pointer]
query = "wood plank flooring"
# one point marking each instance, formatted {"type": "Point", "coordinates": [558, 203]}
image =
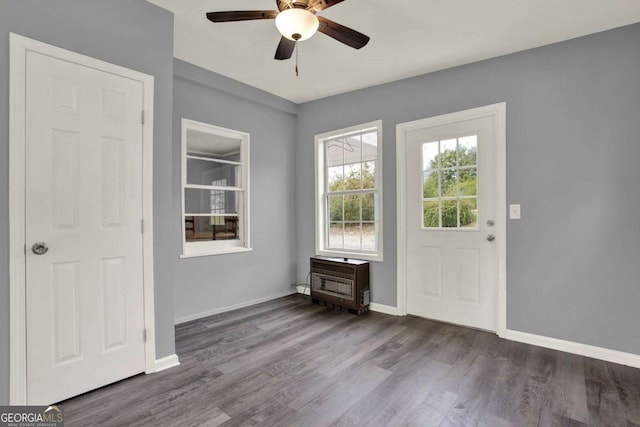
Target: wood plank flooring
{"type": "Point", "coordinates": [288, 362]}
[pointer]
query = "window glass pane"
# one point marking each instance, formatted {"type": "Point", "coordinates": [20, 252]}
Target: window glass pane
{"type": "Point", "coordinates": [203, 228]}
{"type": "Point", "coordinates": [430, 185]}
{"type": "Point", "coordinates": [352, 208]}
{"type": "Point", "coordinates": [467, 149]}
{"type": "Point", "coordinates": [336, 206]}
{"type": "Point", "coordinates": [369, 236]}
{"type": "Point", "coordinates": [334, 157]}
{"type": "Point", "coordinates": [468, 182]}
{"type": "Point", "coordinates": [197, 201]}
{"type": "Point", "coordinates": [368, 207]}
{"type": "Point", "coordinates": [369, 174]}
{"type": "Point", "coordinates": [336, 178]}
{"type": "Point", "coordinates": [203, 172]}
{"type": "Point", "coordinates": [469, 213]}
{"type": "Point", "coordinates": [212, 146]}
{"type": "Point", "coordinates": [352, 179]}
{"type": "Point", "coordinates": [370, 145]}
{"type": "Point", "coordinates": [336, 236]}
{"type": "Point", "coordinates": [430, 214]}
{"type": "Point", "coordinates": [352, 149]}
{"type": "Point", "coordinates": [449, 213]}
{"type": "Point", "coordinates": [352, 236]}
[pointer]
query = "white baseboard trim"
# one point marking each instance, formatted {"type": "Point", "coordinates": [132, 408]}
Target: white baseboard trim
{"type": "Point", "coordinates": [374, 306]}
{"type": "Point", "coordinates": [197, 316]}
{"type": "Point", "coordinates": [381, 308]}
{"type": "Point", "coordinates": [614, 356]}
{"type": "Point", "coordinates": [167, 362]}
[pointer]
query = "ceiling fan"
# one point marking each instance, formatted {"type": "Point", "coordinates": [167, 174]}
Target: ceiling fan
{"type": "Point", "coordinates": [297, 20]}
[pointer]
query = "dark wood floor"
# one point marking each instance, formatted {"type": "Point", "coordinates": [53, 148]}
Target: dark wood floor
{"type": "Point", "coordinates": [290, 363]}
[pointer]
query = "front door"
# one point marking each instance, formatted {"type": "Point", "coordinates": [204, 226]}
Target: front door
{"type": "Point", "coordinates": [84, 284]}
{"type": "Point", "coordinates": [451, 257]}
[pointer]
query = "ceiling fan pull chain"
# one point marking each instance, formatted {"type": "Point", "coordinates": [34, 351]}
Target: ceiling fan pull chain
{"type": "Point", "coordinates": [297, 59]}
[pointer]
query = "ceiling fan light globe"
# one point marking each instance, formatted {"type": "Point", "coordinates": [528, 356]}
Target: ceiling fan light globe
{"type": "Point", "coordinates": [297, 24]}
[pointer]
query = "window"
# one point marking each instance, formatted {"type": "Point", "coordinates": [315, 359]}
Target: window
{"type": "Point", "coordinates": [349, 192]}
{"type": "Point", "coordinates": [449, 183]}
{"type": "Point", "coordinates": [215, 190]}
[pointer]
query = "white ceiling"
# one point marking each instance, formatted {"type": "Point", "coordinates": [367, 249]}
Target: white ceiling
{"type": "Point", "coordinates": [408, 38]}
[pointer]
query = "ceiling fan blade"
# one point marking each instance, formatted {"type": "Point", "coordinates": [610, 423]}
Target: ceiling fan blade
{"type": "Point", "coordinates": [241, 15]}
{"type": "Point", "coordinates": [343, 34]}
{"type": "Point", "coordinates": [285, 48]}
{"type": "Point", "coordinates": [324, 4]}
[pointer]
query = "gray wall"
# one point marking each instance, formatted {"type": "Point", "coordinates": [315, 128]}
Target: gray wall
{"type": "Point", "coordinates": [206, 284]}
{"type": "Point", "coordinates": [573, 146]}
{"type": "Point", "coordinates": [130, 33]}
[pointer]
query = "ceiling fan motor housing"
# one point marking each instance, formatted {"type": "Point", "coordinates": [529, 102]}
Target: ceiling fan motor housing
{"type": "Point", "coordinates": [312, 5]}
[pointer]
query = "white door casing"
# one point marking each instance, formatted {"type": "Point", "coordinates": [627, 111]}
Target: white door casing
{"type": "Point", "coordinates": [453, 275]}
{"type": "Point", "coordinates": [82, 308]}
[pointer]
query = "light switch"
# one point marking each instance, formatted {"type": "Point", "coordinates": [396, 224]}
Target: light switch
{"type": "Point", "coordinates": [514, 211]}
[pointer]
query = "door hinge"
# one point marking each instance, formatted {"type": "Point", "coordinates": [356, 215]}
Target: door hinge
{"type": "Point", "coordinates": [142, 226]}
{"type": "Point", "coordinates": [142, 117]}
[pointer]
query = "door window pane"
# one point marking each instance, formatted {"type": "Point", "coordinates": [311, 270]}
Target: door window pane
{"type": "Point", "coordinates": [431, 214]}
{"type": "Point", "coordinates": [469, 213]}
{"type": "Point", "coordinates": [450, 183]}
{"type": "Point", "coordinates": [449, 212]}
{"type": "Point", "coordinates": [468, 182]}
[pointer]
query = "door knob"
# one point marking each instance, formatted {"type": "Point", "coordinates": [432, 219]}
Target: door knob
{"type": "Point", "coordinates": [491, 237]}
{"type": "Point", "coordinates": [39, 248]}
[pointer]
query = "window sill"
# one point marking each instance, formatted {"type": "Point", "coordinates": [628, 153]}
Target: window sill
{"type": "Point", "coordinates": [355, 255]}
{"type": "Point", "coordinates": [221, 251]}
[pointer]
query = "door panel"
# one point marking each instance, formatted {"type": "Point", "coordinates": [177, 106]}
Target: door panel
{"type": "Point", "coordinates": [450, 192]}
{"type": "Point", "coordinates": [85, 312]}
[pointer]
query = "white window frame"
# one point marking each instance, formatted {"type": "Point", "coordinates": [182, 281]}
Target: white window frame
{"type": "Point", "coordinates": [322, 228]}
{"type": "Point", "coordinates": [217, 247]}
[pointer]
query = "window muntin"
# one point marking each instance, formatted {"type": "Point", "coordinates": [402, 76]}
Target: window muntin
{"type": "Point", "coordinates": [450, 183]}
{"type": "Point", "coordinates": [349, 188]}
{"type": "Point", "coordinates": [215, 179]}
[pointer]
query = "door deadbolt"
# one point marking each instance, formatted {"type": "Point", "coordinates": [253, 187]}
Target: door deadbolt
{"type": "Point", "coordinates": [39, 248]}
{"type": "Point", "coordinates": [490, 222]}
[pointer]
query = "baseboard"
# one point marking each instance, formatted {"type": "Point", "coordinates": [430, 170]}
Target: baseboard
{"type": "Point", "coordinates": [381, 308]}
{"type": "Point", "coordinates": [374, 306]}
{"type": "Point", "coordinates": [167, 362]}
{"type": "Point", "coordinates": [231, 307]}
{"type": "Point", "coordinates": [614, 356]}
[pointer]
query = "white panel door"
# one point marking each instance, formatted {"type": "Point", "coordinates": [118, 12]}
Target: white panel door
{"type": "Point", "coordinates": [85, 313]}
{"type": "Point", "coordinates": [450, 216]}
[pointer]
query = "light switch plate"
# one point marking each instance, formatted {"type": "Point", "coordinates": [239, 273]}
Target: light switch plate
{"type": "Point", "coordinates": [514, 211]}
